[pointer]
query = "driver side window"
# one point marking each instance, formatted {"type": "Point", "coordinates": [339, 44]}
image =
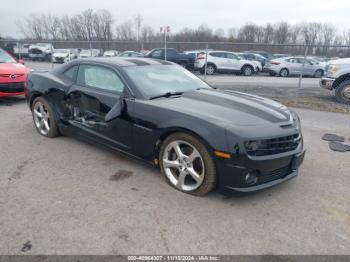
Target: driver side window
{"type": "Point", "coordinates": [157, 54]}
{"type": "Point", "coordinates": [99, 77]}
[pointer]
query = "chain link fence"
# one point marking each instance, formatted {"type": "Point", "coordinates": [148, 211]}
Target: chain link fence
{"type": "Point", "coordinates": [294, 82]}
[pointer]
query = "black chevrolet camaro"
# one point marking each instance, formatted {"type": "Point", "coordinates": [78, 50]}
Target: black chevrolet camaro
{"type": "Point", "coordinates": [159, 112]}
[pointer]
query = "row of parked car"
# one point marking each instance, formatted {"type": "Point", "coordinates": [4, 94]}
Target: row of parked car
{"type": "Point", "coordinates": [205, 61]}
{"type": "Point", "coordinates": [47, 52]}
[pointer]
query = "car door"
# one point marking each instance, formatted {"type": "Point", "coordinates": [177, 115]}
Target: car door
{"type": "Point", "coordinates": [306, 66]}
{"type": "Point", "coordinates": [96, 91]}
{"type": "Point", "coordinates": [233, 62]}
{"type": "Point", "coordinates": [219, 59]}
{"type": "Point", "coordinates": [293, 66]}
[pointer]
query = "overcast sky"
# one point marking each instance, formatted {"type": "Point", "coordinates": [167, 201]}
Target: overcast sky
{"type": "Point", "coordinates": [186, 13]}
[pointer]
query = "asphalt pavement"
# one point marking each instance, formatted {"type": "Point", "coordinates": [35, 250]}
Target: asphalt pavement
{"type": "Point", "coordinates": [69, 197]}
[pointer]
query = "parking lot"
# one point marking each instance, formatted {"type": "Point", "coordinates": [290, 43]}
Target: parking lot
{"type": "Point", "coordinates": [69, 197]}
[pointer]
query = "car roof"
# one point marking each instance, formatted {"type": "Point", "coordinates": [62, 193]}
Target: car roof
{"type": "Point", "coordinates": [113, 62]}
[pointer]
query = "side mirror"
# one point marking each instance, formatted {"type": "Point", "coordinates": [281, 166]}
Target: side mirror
{"type": "Point", "coordinates": [21, 61]}
{"type": "Point", "coordinates": [116, 111]}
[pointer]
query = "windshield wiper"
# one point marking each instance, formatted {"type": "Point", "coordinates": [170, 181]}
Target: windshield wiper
{"type": "Point", "coordinates": [167, 94]}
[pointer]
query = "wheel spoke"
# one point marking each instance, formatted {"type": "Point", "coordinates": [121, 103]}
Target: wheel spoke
{"type": "Point", "coordinates": [37, 113]}
{"type": "Point", "coordinates": [177, 149]}
{"type": "Point", "coordinates": [168, 163]}
{"type": "Point", "coordinates": [181, 181]}
{"type": "Point", "coordinates": [41, 124]}
{"type": "Point", "coordinates": [194, 175]}
{"type": "Point", "coordinates": [46, 124]}
{"type": "Point", "coordinates": [41, 107]}
{"type": "Point", "coordinates": [195, 154]}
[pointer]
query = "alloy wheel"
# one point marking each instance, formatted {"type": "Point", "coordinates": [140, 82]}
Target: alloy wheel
{"type": "Point", "coordinates": [41, 118]}
{"type": "Point", "coordinates": [248, 71]}
{"type": "Point", "coordinates": [210, 70]}
{"type": "Point", "coordinates": [183, 165]}
{"type": "Point", "coordinates": [346, 93]}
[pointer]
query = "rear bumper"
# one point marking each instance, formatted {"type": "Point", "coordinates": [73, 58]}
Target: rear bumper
{"type": "Point", "coordinates": [269, 172]}
{"type": "Point", "coordinates": [327, 83]}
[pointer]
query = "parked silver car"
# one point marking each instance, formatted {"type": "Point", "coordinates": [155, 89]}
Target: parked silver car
{"type": "Point", "coordinates": [110, 53]}
{"type": "Point", "coordinates": [85, 53]}
{"type": "Point", "coordinates": [287, 66]}
{"type": "Point", "coordinates": [223, 61]}
{"type": "Point", "coordinates": [62, 55]}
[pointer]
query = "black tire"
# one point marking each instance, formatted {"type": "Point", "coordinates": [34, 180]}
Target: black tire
{"type": "Point", "coordinates": [247, 70]}
{"type": "Point", "coordinates": [284, 72]}
{"type": "Point", "coordinates": [54, 131]}
{"type": "Point", "coordinates": [319, 73]}
{"type": "Point", "coordinates": [209, 181]}
{"type": "Point", "coordinates": [341, 91]}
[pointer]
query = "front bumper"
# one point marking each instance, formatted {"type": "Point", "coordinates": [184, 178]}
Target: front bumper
{"type": "Point", "coordinates": [11, 89]}
{"type": "Point", "coordinates": [327, 83]}
{"type": "Point", "coordinates": [270, 172]}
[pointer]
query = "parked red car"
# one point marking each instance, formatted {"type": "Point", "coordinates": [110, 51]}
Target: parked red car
{"type": "Point", "coordinates": [13, 75]}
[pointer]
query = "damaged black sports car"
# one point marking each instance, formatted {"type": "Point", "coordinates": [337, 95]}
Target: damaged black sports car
{"type": "Point", "coordinates": [200, 137]}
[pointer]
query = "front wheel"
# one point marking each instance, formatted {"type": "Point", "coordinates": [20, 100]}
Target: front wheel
{"type": "Point", "coordinates": [43, 118]}
{"type": "Point", "coordinates": [342, 93]}
{"type": "Point", "coordinates": [318, 73]}
{"type": "Point", "coordinates": [187, 165]}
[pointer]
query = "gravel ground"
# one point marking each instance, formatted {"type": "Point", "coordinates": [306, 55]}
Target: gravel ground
{"type": "Point", "coordinates": [69, 197]}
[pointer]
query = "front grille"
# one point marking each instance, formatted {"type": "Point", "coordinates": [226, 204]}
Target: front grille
{"type": "Point", "coordinates": [272, 146]}
{"type": "Point", "coordinates": [12, 87]}
{"type": "Point", "coordinates": [276, 174]}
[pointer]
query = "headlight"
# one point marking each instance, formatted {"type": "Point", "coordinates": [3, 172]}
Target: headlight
{"type": "Point", "coordinates": [296, 119]}
{"type": "Point", "coordinates": [332, 69]}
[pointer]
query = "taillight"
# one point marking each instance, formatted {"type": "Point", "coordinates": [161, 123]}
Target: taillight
{"type": "Point", "coordinates": [200, 57]}
{"type": "Point", "coordinates": [274, 63]}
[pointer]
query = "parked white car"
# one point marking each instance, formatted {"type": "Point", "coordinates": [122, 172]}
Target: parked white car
{"type": "Point", "coordinates": [62, 55]}
{"type": "Point", "coordinates": [85, 53]}
{"type": "Point", "coordinates": [110, 53]}
{"type": "Point", "coordinates": [223, 61]}
{"type": "Point", "coordinates": [287, 66]}
{"type": "Point", "coordinates": [337, 78]}
{"type": "Point", "coordinates": [40, 51]}
{"type": "Point", "coordinates": [21, 50]}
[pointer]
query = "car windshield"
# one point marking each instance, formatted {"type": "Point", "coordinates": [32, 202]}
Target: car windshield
{"type": "Point", "coordinates": [65, 51]}
{"type": "Point", "coordinates": [157, 80]}
{"type": "Point", "coordinates": [6, 58]}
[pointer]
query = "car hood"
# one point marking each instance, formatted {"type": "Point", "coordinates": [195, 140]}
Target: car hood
{"type": "Point", "coordinates": [13, 68]}
{"type": "Point", "coordinates": [225, 107]}
{"type": "Point", "coordinates": [340, 61]}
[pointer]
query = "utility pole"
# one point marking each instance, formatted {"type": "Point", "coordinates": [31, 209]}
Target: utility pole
{"type": "Point", "coordinates": [166, 30]}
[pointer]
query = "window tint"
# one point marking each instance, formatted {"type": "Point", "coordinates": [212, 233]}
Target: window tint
{"type": "Point", "coordinates": [157, 54]}
{"type": "Point", "coordinates": [292, 60]}
{"type": "Point", "coordinates": [231, 56]}
{"type": "Point", "coordinates": [70, 73]}
{"type": "Point", "coordinates": [218, 54]}
{"type": "Point", "coordinates": [171, 52]}
{"type": "Point", "coordinates": [99, 77]}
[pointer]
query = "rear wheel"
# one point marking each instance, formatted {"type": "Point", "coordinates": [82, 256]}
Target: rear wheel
{"type": "Point", "coordinates": [211, 69]}
{"type": "Point", "coordinates": [318, 73]}
{"type": "Point", "coordinates": [342, 93]}
{"type": "Point", "coordinates": [284, 72]}
{"type": "Point", "coordinates": [43, 118]}
{"type": "Point", "coordinates": [247, 70]}
{"type": "Point", "coordinates": [187, 165]}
